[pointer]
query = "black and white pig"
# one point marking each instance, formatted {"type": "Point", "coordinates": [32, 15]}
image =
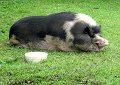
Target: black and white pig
{"type": "Point", "coordinates": [66, 31]}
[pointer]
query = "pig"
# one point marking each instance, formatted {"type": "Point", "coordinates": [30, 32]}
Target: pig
{"type": "Point", "coordinates": [65, 31]}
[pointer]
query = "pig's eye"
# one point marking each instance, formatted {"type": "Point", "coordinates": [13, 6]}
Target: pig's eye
{"type": "Point", "coordinates": [88, 32]}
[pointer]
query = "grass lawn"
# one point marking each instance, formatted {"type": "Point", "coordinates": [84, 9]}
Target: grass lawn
{"type": "Point", "coordinates": [61, 68]}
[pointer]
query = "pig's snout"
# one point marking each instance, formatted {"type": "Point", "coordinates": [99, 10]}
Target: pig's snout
{"type": "Point", "coordinates": [104, 42]}
{"type": "Point", "coordinates": [101, 42]}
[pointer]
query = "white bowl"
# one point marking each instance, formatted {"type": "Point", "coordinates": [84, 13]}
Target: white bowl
{"type": "Point", "coordinates": [35, 56]}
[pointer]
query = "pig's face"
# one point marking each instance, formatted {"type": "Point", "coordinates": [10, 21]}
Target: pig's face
{"type": "Point", "coordinates": [90, 39]}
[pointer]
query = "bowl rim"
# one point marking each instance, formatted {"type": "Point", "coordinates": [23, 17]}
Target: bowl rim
{"type": "Point", "coordinates": [36, 54]}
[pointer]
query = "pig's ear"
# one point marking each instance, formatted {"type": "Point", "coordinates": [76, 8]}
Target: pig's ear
{"type": "Point", "coordinates": [86, 30]}
{"type": "Point", "coordinates": [96, 29]}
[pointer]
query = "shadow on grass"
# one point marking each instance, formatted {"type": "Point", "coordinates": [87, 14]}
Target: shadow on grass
{"type": "Point", "coordinates": [54, 79]}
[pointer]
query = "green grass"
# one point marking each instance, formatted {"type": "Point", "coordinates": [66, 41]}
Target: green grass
{"type": "Point", "coordinates": [69, 68]}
